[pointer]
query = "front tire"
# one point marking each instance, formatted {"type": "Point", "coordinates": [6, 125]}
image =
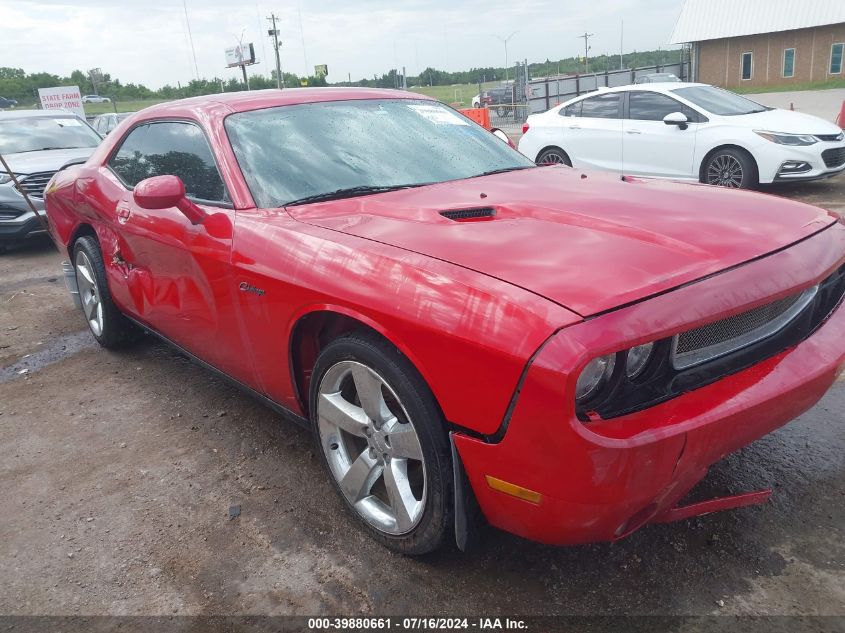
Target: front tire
{"type": "Point", "coordinates": [730, 168]}
{"type": "Point", "coordinates": [554, 156]}
{"type": "Point", "coordinates": [110, 328]}
{"type": "Point", "coordinates": [383, 440]}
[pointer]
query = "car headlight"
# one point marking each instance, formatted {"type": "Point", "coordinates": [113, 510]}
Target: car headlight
{"type": "Point", "coordinates": [788, 139]}
{"type": "Point", "coordinates": [594, 376]}
{"type": "Point", "coordinates": [637, 359]}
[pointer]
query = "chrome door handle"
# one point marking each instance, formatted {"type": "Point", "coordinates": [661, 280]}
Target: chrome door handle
{"type": "Point", "coordinates": [574, 127]}
{"type": "Point", "coordinates": [633, 132]}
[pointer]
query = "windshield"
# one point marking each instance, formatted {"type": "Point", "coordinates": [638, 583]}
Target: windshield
{"type": "Point", "coordinates": [718, 101]}
{"type": "Point", "coordinates": [39, 133]}
{"type": "Point", "coordinates": [290, 153]}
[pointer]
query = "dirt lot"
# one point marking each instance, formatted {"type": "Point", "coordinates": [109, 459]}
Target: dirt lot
{"type": "Point", "coordinates": [118, 471]}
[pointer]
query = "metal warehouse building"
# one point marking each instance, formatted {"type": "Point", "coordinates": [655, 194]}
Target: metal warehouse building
{"type": "Point", "coordinates": [738, 43]}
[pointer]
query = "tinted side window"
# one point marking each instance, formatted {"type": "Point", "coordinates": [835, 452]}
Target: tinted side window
{"type": "Point", "coordinates": [572, 110]}
{"type": "Point", "coordinates": [601, 107]}
{"type": "Point", "coordinates": [653, 106]}
{"type": "Point", "coordinates": [175, 148]}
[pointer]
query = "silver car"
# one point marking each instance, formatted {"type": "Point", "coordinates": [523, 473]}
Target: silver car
{"type": "Point", "coordinates": [105, 123]}
{"type": "Point", "coordinates": [36, 144]}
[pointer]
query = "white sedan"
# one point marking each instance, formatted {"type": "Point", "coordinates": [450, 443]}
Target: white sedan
{"type": "Point", "coordinates": [685, 131]}
{"type": "Point", "coordinates": [95, 99]}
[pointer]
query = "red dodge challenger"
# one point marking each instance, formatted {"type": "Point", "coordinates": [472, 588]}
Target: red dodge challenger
{"type": "Point", "coordinates": [566, 352]}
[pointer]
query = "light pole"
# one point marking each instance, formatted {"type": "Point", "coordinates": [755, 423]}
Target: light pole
{"type": "Point", "coordinates": [505, 40]}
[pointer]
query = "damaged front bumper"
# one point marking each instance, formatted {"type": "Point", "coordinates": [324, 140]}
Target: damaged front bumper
{"type": "Point", "coordinates": [567, 482]}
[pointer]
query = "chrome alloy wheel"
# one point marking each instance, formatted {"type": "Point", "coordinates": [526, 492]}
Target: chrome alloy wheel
{"type": "Point", "coordinates": [371, 447]}
{"type": "Point", "coordinates": [89, 293]}
{"type": "Point", "coordinates": [725, 170]}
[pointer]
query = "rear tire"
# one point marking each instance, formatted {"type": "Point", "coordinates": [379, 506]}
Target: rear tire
{"type": "Point", "coordinates": [109, 327]}
{"type": "Point", "coordinates": [731, 168]}
{"type": "Point", "coordinates": [383, 441]}
{"type": "Point", "coordinates": [554, 156]}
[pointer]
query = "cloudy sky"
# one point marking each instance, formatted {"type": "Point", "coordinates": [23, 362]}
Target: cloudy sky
{"type": "Point", "coordinates": [147, 41]}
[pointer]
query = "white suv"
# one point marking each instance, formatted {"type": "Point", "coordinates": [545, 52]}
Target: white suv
{"type": "Point", "coordinates": [685, 131]}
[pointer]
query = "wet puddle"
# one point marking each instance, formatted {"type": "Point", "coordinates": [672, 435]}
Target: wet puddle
{"type": "Point", "coordinates": [53, 351]}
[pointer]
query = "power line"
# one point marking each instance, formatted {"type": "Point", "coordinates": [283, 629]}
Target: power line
{"type": "Point", "coordinates": [302, 37]}
{"type": "Point", "coordinates": [191, 39]}
{"type": "Point", "coordinates": [263, 45]}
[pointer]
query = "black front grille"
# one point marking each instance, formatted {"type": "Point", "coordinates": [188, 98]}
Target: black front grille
{"type": "Point", "coordinates": [834, 157]}
{"type": "Point", "coordinates": [733, 327]}
{"type": "Point", "coordinates": [468, 214]}
{"type": "Point", "coordinates": [662, 380]}
{"type": "Point", "coordinates": [34, 184]}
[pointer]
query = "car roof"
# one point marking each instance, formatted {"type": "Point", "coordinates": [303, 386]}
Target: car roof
{"type": "Point", "coordinates": [663, 86]}
{"type": "Point", "coordinates": [657, 86]}
{"type": "Point", "coordinates": [260, 99]}
{"type": "Point", "coordinates": [32, 114]}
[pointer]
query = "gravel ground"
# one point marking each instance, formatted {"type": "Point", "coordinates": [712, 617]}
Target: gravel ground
{"type": "Point", "coordinates": [118, 471]}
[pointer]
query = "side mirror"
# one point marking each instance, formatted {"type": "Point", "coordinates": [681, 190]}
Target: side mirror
{"type": "Point", "coordinates": [164, 192]}
{"type": "Point", "coordinates": [677, 118]}
{"type": "Point", "coordinates": [500, 134]}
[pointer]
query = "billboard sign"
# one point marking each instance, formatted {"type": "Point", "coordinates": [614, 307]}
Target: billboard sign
{"type": "Point", "coordinates": [62, 98]}
{"type": "Point", "coordinates": [240, 55]}
{"type": "Point", "coordinates": [321, 70]}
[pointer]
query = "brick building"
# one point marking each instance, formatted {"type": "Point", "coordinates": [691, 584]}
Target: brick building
{"type": "Point", "coordinates": [754, 43]}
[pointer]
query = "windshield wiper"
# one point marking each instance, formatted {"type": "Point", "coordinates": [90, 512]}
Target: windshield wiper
{"type": "Point", "coordinates": [42, 149]}
{"type": "Point", "coordinates": [351, 192]}
{"type": "Point", "coordinates": [503, 170]}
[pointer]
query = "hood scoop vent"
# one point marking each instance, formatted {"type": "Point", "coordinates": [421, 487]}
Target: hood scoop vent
{"type": "Point", "coordinates": [469, 215]}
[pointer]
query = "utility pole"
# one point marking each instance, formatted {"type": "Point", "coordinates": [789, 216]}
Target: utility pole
{"type": "Point", "coordinates": [586, 37]}
{"type": "Point", "coordinates": [274, 32]}
{"type": "Point", "coordinates": [505, 41]}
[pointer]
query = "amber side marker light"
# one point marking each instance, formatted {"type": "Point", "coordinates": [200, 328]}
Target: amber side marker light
{"type": "Point", "coordinates": [513, 490]}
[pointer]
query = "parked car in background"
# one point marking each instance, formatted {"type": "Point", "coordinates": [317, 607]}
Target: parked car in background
{"type": "Point", "coordinates": [105, 123]}
{"type": "Point", "coordinates": [685, 131]}
{"type": "Point", "coordinates": [657, 78]}
{"type": "Point", "coordinates": [7, 103]}
{"type": "Point", "coordinates": [95, 99]}
{"type": "Point", "coordinates": [476, 101]}
{"type": "Point", "coordinates": [453, 322]}
{"type": "Point", "coordinates": [36, 144]}
{"type": "Point", "coordinates": [500, 99]}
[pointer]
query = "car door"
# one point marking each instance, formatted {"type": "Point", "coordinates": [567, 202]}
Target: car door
{"type": "Point", "coordinates": [178, 275]}
{"type": "Point", "coordinates": [653, 148]}
{"type": "Point", "coordinates": [594, 136]}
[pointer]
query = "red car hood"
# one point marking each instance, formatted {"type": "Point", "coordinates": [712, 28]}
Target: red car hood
{"type": "Point", "coordinates": [587, 242]}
